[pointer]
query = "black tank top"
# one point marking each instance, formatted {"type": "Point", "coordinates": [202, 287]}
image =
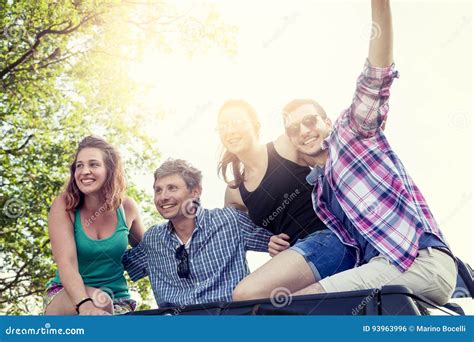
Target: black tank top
{"type": "Point", "coordinates": [282, 202]}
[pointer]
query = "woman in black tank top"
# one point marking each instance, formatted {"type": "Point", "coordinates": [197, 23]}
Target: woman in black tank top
{"type": "Point", "coordinates": [282, 200]}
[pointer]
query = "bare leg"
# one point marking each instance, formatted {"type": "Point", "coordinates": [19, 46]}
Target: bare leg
{"type": "Point", "coordinates": [61, 305]}
{"type": "Point", "coordinates": [287, 270]}
{"type": "Point", "coordinates": [311, 289]}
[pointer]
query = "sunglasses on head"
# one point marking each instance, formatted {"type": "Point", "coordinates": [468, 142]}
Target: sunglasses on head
{"type": "Point", "coordinates": [183, 266]}
{"type": "Point", "coordinates": [309, 121]}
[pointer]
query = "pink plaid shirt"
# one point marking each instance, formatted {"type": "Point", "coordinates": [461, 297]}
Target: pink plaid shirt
{"type": "Point", "coordinates": [369, 180]}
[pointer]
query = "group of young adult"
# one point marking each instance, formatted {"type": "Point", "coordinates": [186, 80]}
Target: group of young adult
{"type": "Point", "coordinates": [331, 202]}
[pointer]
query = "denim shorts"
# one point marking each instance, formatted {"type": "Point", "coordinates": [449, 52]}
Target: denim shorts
{"type": "Point", "coordinates": [325, 253]}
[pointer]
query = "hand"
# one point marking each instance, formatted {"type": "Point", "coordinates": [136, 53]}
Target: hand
{"type": "Point", "coordinates": [89, 309]}
{"type": "Point", "coordinates": [278, 243]}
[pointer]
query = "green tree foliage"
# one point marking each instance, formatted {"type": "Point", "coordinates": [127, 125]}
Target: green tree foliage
{"type": "Point", "coordinates": [63, 75]}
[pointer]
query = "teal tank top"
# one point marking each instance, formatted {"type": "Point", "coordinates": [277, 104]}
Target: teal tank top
{"type": "Point", "coordinates": [100, 261]}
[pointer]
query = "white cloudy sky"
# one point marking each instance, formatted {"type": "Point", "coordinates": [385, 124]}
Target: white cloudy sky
{"type": "Point", "coordinates": [315, 49]}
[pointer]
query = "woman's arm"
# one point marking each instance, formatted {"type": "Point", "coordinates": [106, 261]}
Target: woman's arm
{"type": "Point", "coordinates": [232, 199]}
{"type": "Point", "coordinates": [134, 221]}
{"type": "Point", "coordinates": [63, 245]}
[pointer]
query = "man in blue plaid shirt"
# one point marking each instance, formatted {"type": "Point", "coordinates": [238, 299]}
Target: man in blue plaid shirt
{"type": "Point", "coordinates": [198, 255]}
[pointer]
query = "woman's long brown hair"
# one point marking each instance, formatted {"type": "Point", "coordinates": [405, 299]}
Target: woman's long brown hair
{"type": "Point", "coordinates": [113, 190]}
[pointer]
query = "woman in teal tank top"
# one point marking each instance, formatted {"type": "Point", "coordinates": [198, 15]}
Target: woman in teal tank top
{"type": "Point", "coordinates": [90, 226]}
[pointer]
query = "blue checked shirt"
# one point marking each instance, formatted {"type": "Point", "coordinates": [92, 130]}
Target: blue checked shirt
{"type": "Point", "coordinates": [216, 257]}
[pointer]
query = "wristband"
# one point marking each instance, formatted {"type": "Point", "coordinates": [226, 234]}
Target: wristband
{"type": "Point", "coordinates": [88, 299]}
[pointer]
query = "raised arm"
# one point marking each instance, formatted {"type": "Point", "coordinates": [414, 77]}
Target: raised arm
{"type": "Point", "coordinates": [381, 40]}
{"type": "Point", "coordinates": [368, 111]}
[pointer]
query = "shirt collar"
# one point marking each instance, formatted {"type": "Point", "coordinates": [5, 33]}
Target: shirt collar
{"type": "Point", "coordinates": [325, 143]}
{"type": "Point", "coordinates": [200, 216]}
{"type": "Point", "coordinates": [317, 170]}
{"type": "Point", "coordinates": [313, 176]}
{"type": "Point", "coordinates": [187, 244]}
{"type": "Point", "coordinates": [199, 221]}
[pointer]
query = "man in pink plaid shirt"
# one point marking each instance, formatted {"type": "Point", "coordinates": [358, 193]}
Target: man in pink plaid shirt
{"type": "Point", "coordinates": [363, 193]}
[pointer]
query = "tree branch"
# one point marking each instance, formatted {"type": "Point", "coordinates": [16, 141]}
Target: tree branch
{"type": "Point", "coordinates": [39, 36]}
{"type": "Point", "coordinates": [9, 300]}
{"type": "Point", "coordinates": [13, 150]}
{"type": "Point", "coordinates": [19, 273]}
{"type": "Point", "coordinates": [42, 66]}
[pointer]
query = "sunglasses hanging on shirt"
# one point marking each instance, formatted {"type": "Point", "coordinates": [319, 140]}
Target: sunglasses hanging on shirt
{"type": "Point", "coordinates": [183, 266]}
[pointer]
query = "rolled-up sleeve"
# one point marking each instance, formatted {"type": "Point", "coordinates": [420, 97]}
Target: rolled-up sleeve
{"type": "Point", "coordinates": [255, 238]}
{"type": "Point", "coordinates": [369, 106]}
{"type": "Point", "coordinates": [135, 262]}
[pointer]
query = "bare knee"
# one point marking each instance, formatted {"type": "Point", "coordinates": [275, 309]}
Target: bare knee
{"type": "Point", "coordinates": [55, 309]}
{"type": "Point", "coordinates": [243, 291]}
{"type": "Point", "coordinates": [50, 311]}
{"type": "Point", "coordinates": [239, 293]}
{"type": "Point", "coordinates": [60, 305]}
